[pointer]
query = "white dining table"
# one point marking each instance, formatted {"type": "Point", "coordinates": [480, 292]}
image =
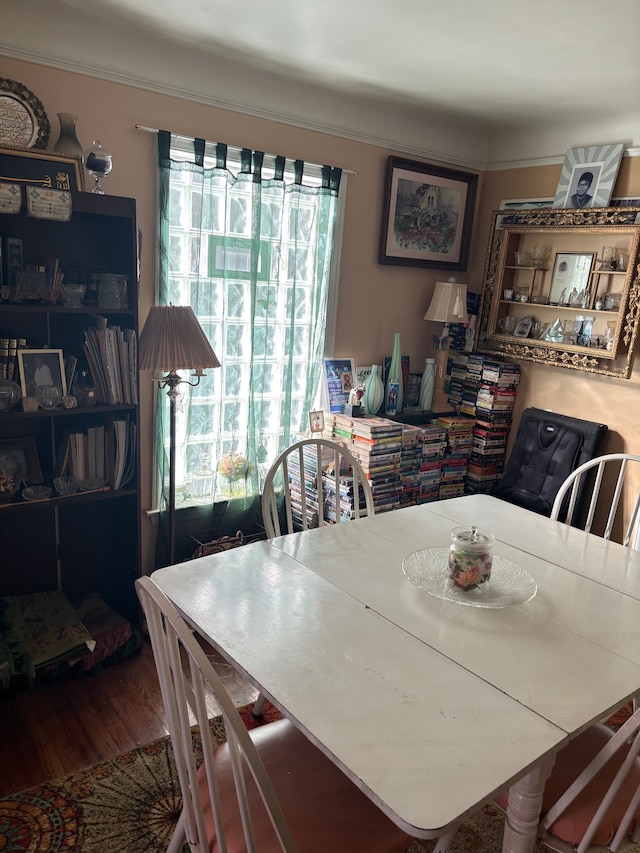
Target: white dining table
{"type": "Point", "coordinates": [429, 706]}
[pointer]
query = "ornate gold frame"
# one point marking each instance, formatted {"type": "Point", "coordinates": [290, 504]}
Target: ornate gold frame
{"type": "Point", "coordinates": [602, 223]}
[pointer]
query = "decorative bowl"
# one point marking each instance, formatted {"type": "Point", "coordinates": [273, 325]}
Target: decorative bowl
{"type": "Point", "coordinates": [10, 394]}
{"type": "Point", "coordinates": [36, 493]}
{"type": "Point", "coordinates": [90, 484]}
{"type": "Point", "coordinates": [66, 485]}
{"type": "Point", "coordinates": [48, 396]}
{"type": "Point", "coordinates": [72, 294]}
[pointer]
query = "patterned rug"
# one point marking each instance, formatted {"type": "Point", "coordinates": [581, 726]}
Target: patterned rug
{"type": "Point", "coordinates": [131, 804]}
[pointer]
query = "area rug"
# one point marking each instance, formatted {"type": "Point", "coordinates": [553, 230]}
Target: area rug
{"type": "Point", "coordinates": [130, 804]}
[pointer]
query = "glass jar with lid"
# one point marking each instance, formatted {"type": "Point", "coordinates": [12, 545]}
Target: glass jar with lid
{"type": "Point", "coordinates": [470, 557]}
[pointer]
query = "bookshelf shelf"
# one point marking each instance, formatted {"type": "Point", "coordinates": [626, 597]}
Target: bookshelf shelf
{"type": "Point", "coordinates": [89, 541]}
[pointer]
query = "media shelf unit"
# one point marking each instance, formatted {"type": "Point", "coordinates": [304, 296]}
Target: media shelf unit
{"type": "Point", "coordinates": [88, 541]}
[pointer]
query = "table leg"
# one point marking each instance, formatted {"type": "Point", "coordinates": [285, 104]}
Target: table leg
{"type": "Point", "coordinates": [523, 811]}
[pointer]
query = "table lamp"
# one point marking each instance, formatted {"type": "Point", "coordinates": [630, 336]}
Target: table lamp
{"type": "Point", "coordinates": [448, 305]}
{"type": "Point", "coordinates": [172, 340]}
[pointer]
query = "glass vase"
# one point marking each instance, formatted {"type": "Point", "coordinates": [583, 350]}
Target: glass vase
{"type": "Point", "coordinates": [426, 385]}
{"type": "Point", "coordinates": [373, 391]}
{"type": "Point", "coordinates": [68, 142]}
{"type": "Point", "coordinates": [202, 480]}
{"type": "Point", "coordinates": [393, 390]}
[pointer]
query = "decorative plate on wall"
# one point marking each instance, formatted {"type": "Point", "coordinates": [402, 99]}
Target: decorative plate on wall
{"type": "Point", "coordinates": [23, 121]}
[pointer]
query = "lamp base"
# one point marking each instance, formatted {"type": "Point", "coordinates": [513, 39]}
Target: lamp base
{"type": "Point", "coordinates": [440, 404]}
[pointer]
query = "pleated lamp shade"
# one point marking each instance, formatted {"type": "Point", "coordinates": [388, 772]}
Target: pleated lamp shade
{"type": "Point", "coordinates": [172, 339]}
{"type": "Point", "coordinates": [448, 303]}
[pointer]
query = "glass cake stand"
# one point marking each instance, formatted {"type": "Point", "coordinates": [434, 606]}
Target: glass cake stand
{"type": "Point", "coordinates": [509, 584]}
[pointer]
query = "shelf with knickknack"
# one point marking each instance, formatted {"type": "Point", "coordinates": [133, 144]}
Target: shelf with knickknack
{"type": "Point", "coordinates": [74, 307]}
{"type": "Point", "coordinates": [561, 287]}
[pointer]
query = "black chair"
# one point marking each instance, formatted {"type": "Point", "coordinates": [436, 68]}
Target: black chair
{"type": "Point", "coordinates": [547, 448]}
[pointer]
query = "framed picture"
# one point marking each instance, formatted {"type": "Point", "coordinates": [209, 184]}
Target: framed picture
{"type": "Point", "coordinates": [45, 169]}
{"type": "Point", "coordinates": [22, 456]}
{"type": "Point", "coordinates": [523, 328]}
{"type": "Point", "coordinates": [588, 175]}
{"type": "Point", "coordinates": [41, 367]}
{"type": "Point", "coordinates": [570, 278]}
{"type": "Point", "coordinates": [519, 204]}
{"type": "Point", "coordinates": [427, 215]}
{"type": "Point", "coordinates": [339, 375]}
{"type": "Point", "coordinates": [316, 421]}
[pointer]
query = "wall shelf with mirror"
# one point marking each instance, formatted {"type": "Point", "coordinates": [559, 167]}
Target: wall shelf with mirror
{"type": "Point", "coordinates": [562, 287]}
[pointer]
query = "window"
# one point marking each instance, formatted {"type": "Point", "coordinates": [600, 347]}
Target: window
{"type": "Point", "coordinates": [248, 243]}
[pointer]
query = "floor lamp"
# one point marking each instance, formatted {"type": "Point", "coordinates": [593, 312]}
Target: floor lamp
{"type": "Point", "coordinates": [448, 305]}
{"type": "Point", "coordinates": [172, 340]}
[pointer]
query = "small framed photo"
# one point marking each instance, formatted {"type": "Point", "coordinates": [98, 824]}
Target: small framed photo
{"type": "Point", "coordinates": [570, 279]}
{"type": "Point", "coordinates": [316, 421]}
{"type": "Point", "coordinates": [41, 367]}
{"type": "Point", "coordinates": [588, 175]}
{"type": "Point", "coordinates": [21, 457]}
{"type": "Point", "coordinates": [427, 215]}
{"type": "Point", "coordinates": [523, 328]}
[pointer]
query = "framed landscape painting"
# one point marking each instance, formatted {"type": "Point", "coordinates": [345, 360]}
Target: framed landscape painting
{"type": "Point", "coordinates": [427, 215]}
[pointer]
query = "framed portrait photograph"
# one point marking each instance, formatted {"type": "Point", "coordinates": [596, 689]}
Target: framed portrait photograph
{"type": "Point", "coordinates": [570, 278]}
{"type": "Point", "coordinates": [427, 215]}
{"type": "Point", "coordinates": [41, 367]}
{"type": "Point", "coordinates": [588, 175]}
{"type": "Point", "coordinates": [20, 457]}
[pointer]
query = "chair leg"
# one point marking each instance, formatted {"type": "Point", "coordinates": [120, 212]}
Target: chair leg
{"type": "Point", "coordinates": [259, 706]}
{"type": "Point", "coordinates": [445, 840]}
{"type": "Point", "coordinates": [179, 837]}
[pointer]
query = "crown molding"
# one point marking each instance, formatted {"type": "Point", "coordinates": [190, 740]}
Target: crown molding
{"type": "Point", "coordinates": [182, 93]}
{"type": "Point", "coordinates": [543, 161]}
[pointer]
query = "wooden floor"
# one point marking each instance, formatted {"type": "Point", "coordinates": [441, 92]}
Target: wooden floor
{"type": "Point", "coordinates": [62, 726]}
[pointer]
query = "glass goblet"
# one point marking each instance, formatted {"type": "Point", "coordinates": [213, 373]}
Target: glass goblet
{"type": "Point", "coordinates": [98, 163]}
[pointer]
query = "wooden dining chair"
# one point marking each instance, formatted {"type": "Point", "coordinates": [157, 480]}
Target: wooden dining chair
{"type": "Point", "coordinates": [592, 798]}
{"type": "Point", "coordinates": [266, 790]}
{"type": "Point", "coordinates": [314, 462]}
{"type": "Point", "coordinates": [327, 470]}
{"type": "Point", "coordinates": [603, 479]}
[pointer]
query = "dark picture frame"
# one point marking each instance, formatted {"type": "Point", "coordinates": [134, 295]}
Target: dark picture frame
{"type": "Point", "coordinates": [427, 215]}
{"type": "Point", "coordinates": [23, 449]}
{"type": "Point", "coordinates": [44, 169]}
{"type": "Point", "coordinates": [51, 358]}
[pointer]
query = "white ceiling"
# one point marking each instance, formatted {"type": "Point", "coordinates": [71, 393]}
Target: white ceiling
{"type": "Point", "coordinates": [526, 78]}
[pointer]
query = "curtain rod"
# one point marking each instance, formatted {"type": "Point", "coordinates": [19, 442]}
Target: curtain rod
{"type": "Point", "coordinates": [234, 147]}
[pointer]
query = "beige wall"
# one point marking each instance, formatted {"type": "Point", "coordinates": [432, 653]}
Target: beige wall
{"type": "Point", "coordinates": [375, 300]}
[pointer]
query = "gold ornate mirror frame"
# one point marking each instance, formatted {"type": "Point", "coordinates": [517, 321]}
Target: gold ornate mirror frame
{"type": "Point", "coordinates": [514, 235]}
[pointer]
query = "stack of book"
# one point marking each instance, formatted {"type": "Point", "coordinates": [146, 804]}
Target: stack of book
{"type": "Point", "coordinates": [307, 484]}
{"type": "Point", "coordinates": [457, 369]}
{"type": "Point", "coordinates": [410, 459]}
{"type": "Point", "coordinates": [434, 444]}
{"type": "Point", "coordinates": [496, 394]}
{"type": "Point", "coordinates": [456, 455]}
{"type": "Point", "coordinates": [377, 445]}
{"type": "Point", "coordinates": [111, 352]}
